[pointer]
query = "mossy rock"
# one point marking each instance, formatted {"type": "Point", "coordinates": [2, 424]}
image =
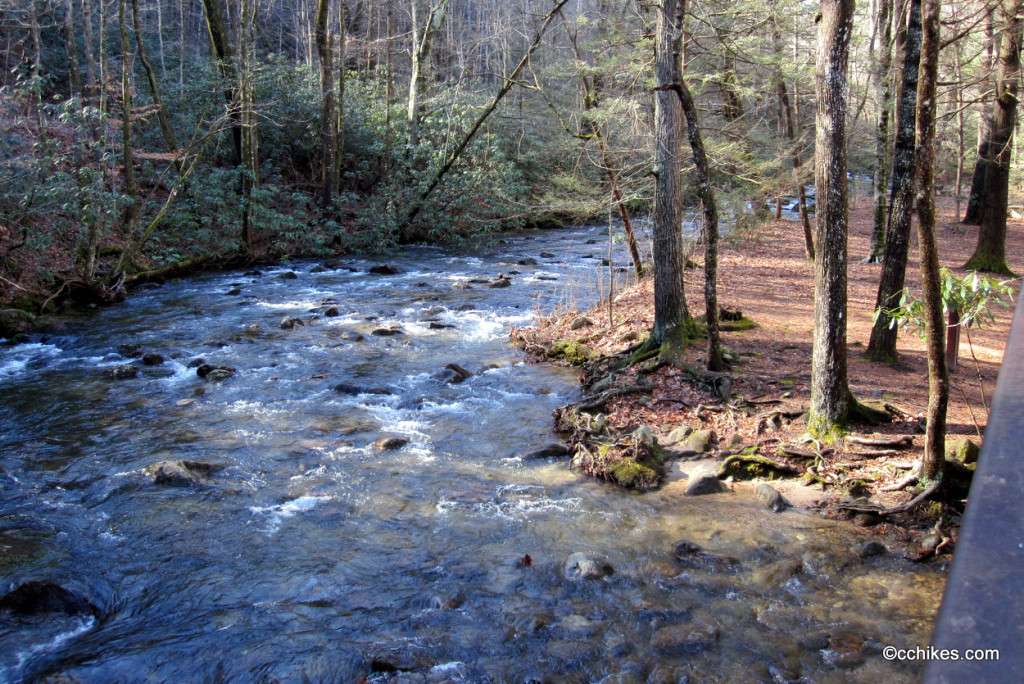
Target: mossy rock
{"type": "Point", "coordinates": [14, 321]}
{"type": "Point", "coordinates": [963, 450]}
{"type": "Point", "coordinates": [545, 222]}
{"type": "Point", "coordinates": [634, 464]}
{"type": "Point", "coordinates": [575, 353]}
{"type": "Point", "coordinates": [748, 465]}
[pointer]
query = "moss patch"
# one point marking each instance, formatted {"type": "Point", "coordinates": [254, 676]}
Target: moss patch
{"type": "Point", "coordinates": [575, 353]}
{"type": "Point", "coordinates": [634, 464]}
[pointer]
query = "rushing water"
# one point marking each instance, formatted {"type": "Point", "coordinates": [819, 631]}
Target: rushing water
{"type": "Point", "coordinates": [313, 556]}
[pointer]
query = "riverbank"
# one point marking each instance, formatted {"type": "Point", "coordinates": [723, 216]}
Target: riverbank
{"type": "Point", "coordinates": [760, 413]}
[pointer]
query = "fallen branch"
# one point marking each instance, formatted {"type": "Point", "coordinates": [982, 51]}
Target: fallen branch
{"type": "Point", "coordinates": [906, 441]}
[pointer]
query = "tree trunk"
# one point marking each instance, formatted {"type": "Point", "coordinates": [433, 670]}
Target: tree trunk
{"type": "Point", "coordinates": [131, 212]}
{"type": "Point", "coordinates": [830, 393]}
{"type": "Point", "coordinates": [154, 88]}
{"type": "Point", "coordinates": [882, 345]}
{"type": "Point", "coordinates": [423, 41]}
{"type": "Point", "coordinates": [972, 217]}
{"type": "Point", "coordinates": [250, 166]}
{"type": "Point", "coordinates": [89, 93]}
{"type": "Point", "coordinates": [339, 125]}
{"type": "Point", "coordinates": [220, 43]}
{"type": "Point", "coordinates": [74, 75]}
{"type": "Point", "coordinates": [934, 457]}
{"type": "Point", "coordinates": [328, 119]}
{"type": "Point", "coordinates": [883, 94]}
{"type": "Point", "coordinates": [671, 315]}
{"type": "Point", "coordinates": [990, 253]}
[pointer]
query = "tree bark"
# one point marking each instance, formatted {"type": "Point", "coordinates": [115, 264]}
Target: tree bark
{"type": "Point", "coordinates": [328, 119]}
{"type": "Point", "coordinates": [220, 43]}
{"type": "Point", "coordinates": [423, 41]}
{"type": "Point", "coordinates": [89, 93]}
{"type": "Point", "coordinates": [972, 217]}
{"type": "Point", "coordinates": [990, 253]}
{"type": "Point", "coordinates": [154, 88]}
{"type": "Point", "coordinates": [830, 393]}
{"type": "Point", "coordinates": [671, 315]}
{"type": "Point", "coordinates": [131, 212]}
{"type": "Point", "coordinates": [339, 126]}
{"type": "Point", "coordinates": [883, 94]}
{"type": "Point", "coordinates": [882, 344]}
{"type": "Point", "coordinates": [934, 457]}
{"type": "Point", "coordinates": [74, 74]}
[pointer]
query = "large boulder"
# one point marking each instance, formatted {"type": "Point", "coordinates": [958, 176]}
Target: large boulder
{"type": "Point", "coordinates": [963, 450]}
{"type": "Point", "coordinates": [40, 597]}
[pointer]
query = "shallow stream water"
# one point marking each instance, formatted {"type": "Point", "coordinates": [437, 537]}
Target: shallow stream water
{"type": "Point", "coordinates": [314, 556]}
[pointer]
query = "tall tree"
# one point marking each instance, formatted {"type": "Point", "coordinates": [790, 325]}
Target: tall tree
{"type": "Point", "coordinates": [990, 252]}
{"type": "Point", "coordinates": [131, 211]}
{"type": "Point", "coordinates": [423, 41]}
{"type": "Point", "coordinates": [881, 79]}
{"type": "Point", "coordinates": [830, 392]}
{"type": "Point", "coordinates": [934, 457]}
{"type": "Point", "coordinates": [673, 324]}
{"type": "Point", "coordinates": [328, 118]}
{"type": "Point", "coordinates": [882, 344]}
{"type": "Point", "coordinates": [154, 88]}
{"type": "Point", "coordinates": [972, 216]}
{"type": "Point", "coordinates": [223, 53]}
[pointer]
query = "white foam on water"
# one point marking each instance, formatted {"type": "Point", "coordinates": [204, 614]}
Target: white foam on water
{"type": "Point", "coordinates": [527, 501]}
{"type": "Point", "coordinates": [84, 625]}
{"type": "Point", "coordinates": [16, 362]}
{"type": "Point", "coordinates": [421, 454]}
{"type": "Point", "coordinates": [181, 373]}
{"type": "Point", "coordinates": [280, 512]}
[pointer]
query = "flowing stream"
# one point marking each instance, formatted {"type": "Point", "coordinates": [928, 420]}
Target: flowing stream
{"type": "Point", "coordinates": [315, 556]}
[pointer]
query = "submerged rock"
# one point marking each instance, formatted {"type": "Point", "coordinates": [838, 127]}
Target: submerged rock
{"type": "Point", "coordinates": [677, 638]}
{"type": "Point", "coordinates": [289, 322]}
{"type": "Point", "coordinates": [385, 269]}
{"type": "Point", "coordinates": [40, 597]}
{"type": "Point", "coordinates": [288, 275]}
{"type": "Point", "coordinates": [870, 548]}
{"type": "Point", "coordinates": [581, 566]}
{"type": "Point", "coordinates": [152, 359]}
{"type": "Point", "coordinates": [181, 473]}
{"type": "Point", "coordinates": [122, 372]}
{"type": "Point", "coordinates": [390, 443]}
{"type": "Point", "coordinates": [550, 451]}
{"type": "Point", "coordinates": [693, 555]}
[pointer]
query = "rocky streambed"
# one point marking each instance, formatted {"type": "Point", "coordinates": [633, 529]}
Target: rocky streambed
{"type": "Point", "coordinates": [320, 472]}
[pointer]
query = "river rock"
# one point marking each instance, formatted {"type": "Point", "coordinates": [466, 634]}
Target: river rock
{"type": "Point", "coordinates": [778, 573]}
{"type": "Point", "coordinates": [500, 281]}
{"type": "Point", "coordinates": [352, 390]}
{"type": "Point", "coordinates": [385, 269]}
{"type": "Point", "coordinates": [40, 597]}
{"type": "Point", "coordinates": [845, 650]}
{"type": "Point", "coordinates": [461, 285]}
{"type": "Point", "coordinates": [772, 498]}
{"type": "Point", "coordinates": [528, 261]}
{"type": "Point", "coordinates": [152, 359]}
{"type": "Point", "coordinates": [700, 441]}
{"type": "Point", "coordinates": [387, 332]}
{"type": "Point", "coordinates": [437, 325]}
{"type": "Point", "coordinates": [400, 656]}
{"type": "Point", "coordinates": [681, 638]}
{"type": "Point", "coordinates": [331, 311]}
{"type": "Point", "coordinates": [234, 292]}
{"type": "Point", "coordinates": [704, 483]}
{"type": "Point", "coordinates": [289, 322]}
{"type": "Point", "coordinates": [288, 275]}
{"type": "Point", "coordinates": [679, 434]}
{"type": "Point", "coordinates": [463, 373]}
{"type": "Point", "coordinates": [581, 566]}
{"type": "Point", "coordinates": [122, 372]}
{"type": "Point", "coordinates": [581, 322]}
{"type": "Point", "coordinates": [870, 548]}
{"type": "Point", "coordinates": [390, 443]}
{"type": "Point", "coordinates": [332, 264]}
{"type": "Point", "coordinates": [215, 373]}
{"type": "Point", "coordinates": [350, 336]}
{"type": "Point", "coordinates": [317, 269]}
{"type": "Point", "coordinates": [550, 451]}
{"type": "Point", "coordinates": [963, 450]}
{"type": "Point", "coordinates": [547, 255]}
{"type": "Point", "coordinates": [695, 556]}
{"type": "Point", "coordinates": [180, 473]}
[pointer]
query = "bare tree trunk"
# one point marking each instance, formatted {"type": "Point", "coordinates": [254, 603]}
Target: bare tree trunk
{"type": "Point", "coordinates": [972, 216]}
{"type": "Point", "coordinates": [423, 41]}
{"type": "Point", "coordinates": [131, 212]}
{"type": "Point", "coordinates": [89, 94]}
{"type": "Point", "coordinates": [154, 88]}
{"type": "Point", "coordinates": [672, 321]}
{"type": "Point", "coordinates": [328, 117]}
{"type": "Point", "coordinates": [222, 52]}
{"type": "Point", "coordinates": [339, 126]}
{"type": "Point", "coordinates": [798, 164]}
{"type": "Point", "coordinates": [882, 345]}
{"type": "Point", "coordinates": [830, 392]}
{"type": "Point", "coordinates": [883, 94]}
{"type": "Point", "coordinates": [250, 167]}
{"type": "Point", "coordinates": [934, 457]}
{"type": "Point", "coordinates": [72, 48]}
{"type": "Point", "coordinates": [990, 253]}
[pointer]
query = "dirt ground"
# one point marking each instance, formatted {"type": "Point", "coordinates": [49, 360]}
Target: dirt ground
{"type": "Point", "coordinates": [766, 275]}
